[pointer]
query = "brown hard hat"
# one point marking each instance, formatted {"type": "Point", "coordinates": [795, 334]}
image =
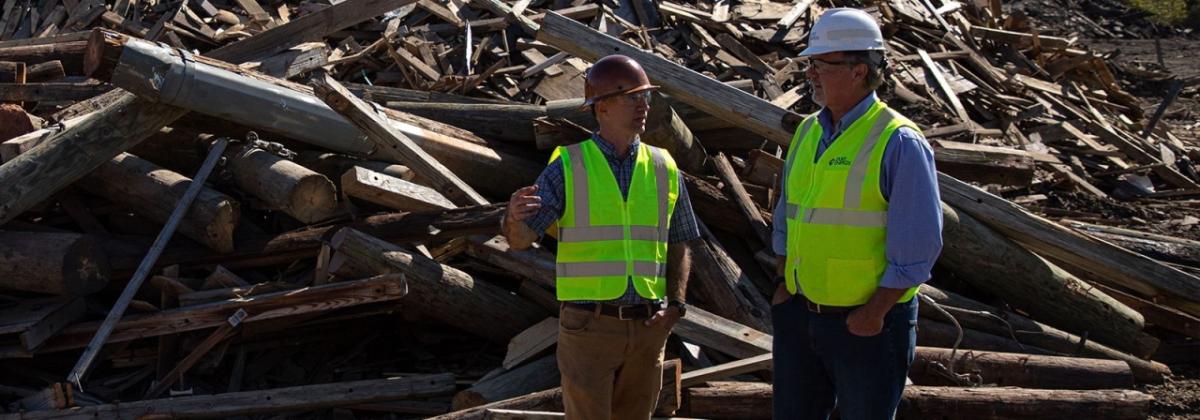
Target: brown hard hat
{"type": "Point", "coordinates": [614, 75]}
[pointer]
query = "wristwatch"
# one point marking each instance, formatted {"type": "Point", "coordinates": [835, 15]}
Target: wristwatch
{"type": "Point", "coordinates": [682, 306]}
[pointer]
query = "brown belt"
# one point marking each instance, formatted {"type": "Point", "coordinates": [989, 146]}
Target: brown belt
{"type": "Point", "coordinates": [622, 312]}
{"type": "Point", "coordinates": [817, 308]}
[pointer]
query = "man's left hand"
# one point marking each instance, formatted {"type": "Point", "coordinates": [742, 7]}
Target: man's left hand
{"type": "Point", "coordinates": [665, 318]}
{"type": "Point", "coordinates": [863, 323]}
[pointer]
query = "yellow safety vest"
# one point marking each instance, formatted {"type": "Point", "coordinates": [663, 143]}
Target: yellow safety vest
{"type": "Point", "coordinates": [836, 213]}
{"type": "Point", "coordinates": [605, 239]}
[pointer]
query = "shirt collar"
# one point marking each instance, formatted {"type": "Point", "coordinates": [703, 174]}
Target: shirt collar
{"type": "Point", "coordinates": [610, 151]}
{"type": "Point", "coordinates": [825, 117]}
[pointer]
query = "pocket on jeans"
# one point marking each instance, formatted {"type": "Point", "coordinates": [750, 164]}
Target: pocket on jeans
{"type": "Point", "coordinates": [574, 320]}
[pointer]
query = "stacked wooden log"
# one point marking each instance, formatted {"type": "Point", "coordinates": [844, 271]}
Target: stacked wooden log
{"type": "Point", "coordinates": [342, 258]}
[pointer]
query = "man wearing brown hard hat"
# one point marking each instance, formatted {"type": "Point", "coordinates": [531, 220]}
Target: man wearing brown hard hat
{"type": "Point", "coordinates": [622, 263]}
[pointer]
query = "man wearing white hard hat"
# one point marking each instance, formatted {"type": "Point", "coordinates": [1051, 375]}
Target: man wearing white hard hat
{"type": "Point", "coordinates": [856, 231]}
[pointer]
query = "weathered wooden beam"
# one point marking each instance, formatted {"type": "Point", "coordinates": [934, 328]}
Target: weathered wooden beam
{"type": "Point", "coordinates": [279, 400]}
{"type": "Point", "coordinates": [506, 122]}
{"type": "Point", "coordinates": [50, 92]}
{"type": "Point", "coordinates": [392, 192]}
{"type": "Point", "coordinates": [935, 73]}
{"type": "Point", "coordinates": [538, 375]}
{"type": "Point", "coordinates": [70, 53]}
{"type": "Point", "coordinates": [70, 154]}
{"type": "Point", "coordinates": [311, 27]}
{"type": "Point", "coordinates": [35, 320]}
{"type": "Point", "coordinates": [1075, 251]}
{"type": "Point", "coordinates": [984, 164]}
{"type": "Point", "coordinates": [220, 334]}
{"type": "Point", "coordinates": [979, 255]}
{"type": "Point", "coordinates": [393, 144]}
{"type": "Point", "coordinates": [328, 297]}
{"type": "Point", "coordinates": [532, 342]}
{"type": "Point", "coordinates": [725, 170]}
{"type": "Point", "coordinates": [719, 281]}
{"type": "Point", "coordinates": [720, 100]}
{"type": "Point", "coordinates": [439, 291]}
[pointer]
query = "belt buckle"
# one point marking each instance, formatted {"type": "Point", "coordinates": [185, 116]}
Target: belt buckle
{"type": "Point", "coordinates": [813, 306]}
{"type": "Point", "coordinates": [621, 313]}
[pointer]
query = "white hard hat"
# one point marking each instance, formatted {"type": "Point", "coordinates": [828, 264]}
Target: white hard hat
{"type": "Point", "coordinates": [844, 29]}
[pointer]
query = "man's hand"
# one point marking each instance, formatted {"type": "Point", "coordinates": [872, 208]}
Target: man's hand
{"type": "Point", "coordinates": [523, 204]}
{"type": "Point", "coordinates": [781, 294]}
{"type": "Point", "coordinates": [864, 322]}
{"type": "Point", "coordinates": [665, 318]}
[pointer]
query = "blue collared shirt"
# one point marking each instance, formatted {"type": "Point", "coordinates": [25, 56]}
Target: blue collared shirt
{"type": "Point", "coordinates": [909, 183]}
{"type": "Point", "coordinates": [552, 189]}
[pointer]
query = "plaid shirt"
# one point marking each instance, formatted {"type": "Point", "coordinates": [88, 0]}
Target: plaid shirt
{"type": "Point", "coordinates": [552, 189]}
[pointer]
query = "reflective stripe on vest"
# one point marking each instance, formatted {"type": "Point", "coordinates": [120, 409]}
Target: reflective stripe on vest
{"type": "Point", "coordinates": [606, 239]}
{"type": "Point", "coordinates": [837, 216]}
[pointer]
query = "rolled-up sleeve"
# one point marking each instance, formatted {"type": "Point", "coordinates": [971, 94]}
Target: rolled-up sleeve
{"type": "Point", "coordinates": [914, 232]}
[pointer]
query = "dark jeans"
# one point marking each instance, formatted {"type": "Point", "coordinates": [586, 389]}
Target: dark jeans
{"type": "Point", "coordinates": [820, 365]}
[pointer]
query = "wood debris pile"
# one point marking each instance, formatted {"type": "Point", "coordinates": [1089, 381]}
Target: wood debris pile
{"type": "Point", "coordinates": [340, 257]}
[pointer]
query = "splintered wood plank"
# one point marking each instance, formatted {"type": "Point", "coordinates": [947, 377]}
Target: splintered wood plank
{"type": "Point", "coordinates": [392, 144]}
{"type": "Point", "coordinates": [256, 12]}
{"type": "Point", "coordinates": [441, 12]}
{"type": "Point", "coordinates": [540, 62]}
{"type": "Point", "coordinates": [532, 342]}
{"type": "Point", "coordinates": [568, 85]}
{"type": "Point", "coordinates": [943, 87]}
{"type": "Point", "coordinates": [37, 320]}
{"type": "Point", "coordinates": [725, 370]}
{"type": "Point", "coordinates": [407, 59]}
{"type": "Point", "coordinates": [311, 27]}
{"type": "Point", "coordinates": [794, 14]}
{"type": "Point", "coordinates": [383, 288]}
{"type": "Point", "coordinates": [392, 192]}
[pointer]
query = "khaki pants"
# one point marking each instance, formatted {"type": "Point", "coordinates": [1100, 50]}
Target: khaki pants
{"type": "Point", "coordinates": [611, 369]}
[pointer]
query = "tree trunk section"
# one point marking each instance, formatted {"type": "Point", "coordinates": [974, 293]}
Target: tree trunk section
{"type": "Point", "coordinates": [152, 191]}
{"type": "Point", "coordinates": [1021, 370]}
{"type": "Point", "coordinates": [282, 184]}
{"type": "Point", "coordinates": [52, 263]}
{"type": "Point", "coordinates": [752, 400]}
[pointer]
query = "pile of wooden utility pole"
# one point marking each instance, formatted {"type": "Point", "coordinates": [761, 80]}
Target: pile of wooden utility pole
{"type": "Point", "coordinates": [222, 208]}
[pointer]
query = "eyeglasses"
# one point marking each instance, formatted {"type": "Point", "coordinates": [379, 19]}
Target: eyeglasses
{"type": "Point", "coordinates": [635, 97]}
{"type": "Point", "coordinates": [821, 66]}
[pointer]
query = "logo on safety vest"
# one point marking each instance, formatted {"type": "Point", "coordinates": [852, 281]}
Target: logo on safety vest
{"type": "Point", "coordinates": [839, 161]}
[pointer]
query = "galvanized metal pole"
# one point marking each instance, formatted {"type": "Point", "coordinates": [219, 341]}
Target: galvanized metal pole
{"type": "Point", "coordinates": [118, 310]}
